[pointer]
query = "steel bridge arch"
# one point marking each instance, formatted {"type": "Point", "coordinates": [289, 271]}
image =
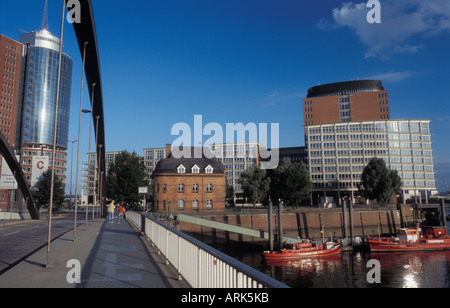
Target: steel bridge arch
{"type": "Point", "coordinates": [85, 31]}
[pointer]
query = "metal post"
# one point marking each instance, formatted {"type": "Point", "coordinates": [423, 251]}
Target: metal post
{"type": "Point", "coordinates": [350, 216]}
{"type": "Point", "coordinates": [96, 160]}
{"type": "Point", "coordinates": [280, 223]}
{"type": "Point", "coordinates": [444, 218]}
{"type": "Point", "coordinates": [79, 142]}
{"type": "Point", "coordinates": [270, 219]}
{"type": "Point", "coordinates": [100, 177]}
{"type": "Point", "coordinates": [71, 167]}
{"type": "Point", "coordinates": [90, 133]}
{"type": "Point", "coordinates": [344, 218]}
{"type": "Point", "coordinates": [55, 130]}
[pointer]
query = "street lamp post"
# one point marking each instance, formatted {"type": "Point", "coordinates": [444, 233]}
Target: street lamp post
{"type": "Point", "coordinates": [90, 134]}
{"type": "Point", "coordinates": [79, 139]}
{"type": "Point", "coordinates": [55, 130]}
{"type": "Point", "coordinates": [71, 167]}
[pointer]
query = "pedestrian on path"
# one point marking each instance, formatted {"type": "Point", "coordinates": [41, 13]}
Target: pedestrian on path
{"type": "Point", "coordinates": [121, 213]}
{"type": "Point", "coordinates": [111, 209]}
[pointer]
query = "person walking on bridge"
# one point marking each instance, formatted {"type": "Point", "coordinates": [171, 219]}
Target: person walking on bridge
{"type": "Point", "coordinates": [111, 209]}
{"type": "Point", "coordinates": [121, 213]}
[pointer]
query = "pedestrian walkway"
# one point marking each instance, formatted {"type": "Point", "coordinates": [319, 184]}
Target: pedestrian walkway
{"type": "Point", "coordinates": [110, 256]}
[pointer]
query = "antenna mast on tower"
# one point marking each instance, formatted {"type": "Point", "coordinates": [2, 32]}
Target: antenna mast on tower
{"type": "Point", "coordinates": [45, 17]}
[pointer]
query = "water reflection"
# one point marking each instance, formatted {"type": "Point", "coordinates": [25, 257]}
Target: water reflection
{"type": "Point", "coordinates": [349, 270]}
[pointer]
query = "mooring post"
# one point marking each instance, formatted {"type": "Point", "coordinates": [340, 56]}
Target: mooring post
{"type": "Point", "coordinates": [350, 216]}
{"type": "Point", "coordinates": [280, 223]}
{"type": "Point", "coordinates": [344, 218]}
{"type": "Point", "coordinates": [444, 216]}
{"type": "Point", "coordinates": [270, 219]}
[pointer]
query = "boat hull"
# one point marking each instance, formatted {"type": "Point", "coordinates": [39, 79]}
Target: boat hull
{"type": "Point", "coordinates": [301, 254]}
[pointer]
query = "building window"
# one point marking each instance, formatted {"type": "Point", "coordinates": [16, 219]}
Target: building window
{"type": "Point", "coordinates": [180, 187]}
{"type": "Point", "coordinates": [181, 204]}
{"type": "Point", "coordinates": [209, 169]}
{"type": "Point", "coordinates": [209, 204]}
{"type": "Point", "coordinates": [195, 204]}
{"type": "Point", "coordinates": [195, 188]}
{"type": "Point", "coordinates": [195, 169]}
{"type": "Point", "coordinates": [209, 188]}
{"type": "Point", "coordinates": [164, 188]}
{"type": "Point", "coordinates": [181, 169]}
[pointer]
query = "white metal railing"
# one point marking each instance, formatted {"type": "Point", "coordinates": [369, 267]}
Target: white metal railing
{"type": "Point", "coordinates": [200, 265]}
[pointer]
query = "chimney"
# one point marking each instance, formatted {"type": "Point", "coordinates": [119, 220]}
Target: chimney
{"type": "Point", "coordinates": [168, 149]}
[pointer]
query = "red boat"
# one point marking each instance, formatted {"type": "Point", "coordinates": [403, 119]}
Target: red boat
{"type": "Point", "coordinates": [303, 250]}
{"type": "Point", "coordinates": [419, 239]}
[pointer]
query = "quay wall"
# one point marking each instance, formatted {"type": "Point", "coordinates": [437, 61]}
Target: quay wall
{"type": "Point", "coordinates": [303, 223]}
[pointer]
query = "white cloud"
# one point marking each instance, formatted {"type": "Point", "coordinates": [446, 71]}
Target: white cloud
{"type": "Point", "coordinates": [401, 22]}
{"type": "Point", "coordinates": [391, 76]}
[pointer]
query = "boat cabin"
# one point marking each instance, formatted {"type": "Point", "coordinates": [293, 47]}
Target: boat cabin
{"type": "Point", "coordinates": [407, 234]}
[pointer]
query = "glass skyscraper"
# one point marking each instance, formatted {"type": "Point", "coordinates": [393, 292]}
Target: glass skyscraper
{"type": "Point", "coordinates": [39, 95]}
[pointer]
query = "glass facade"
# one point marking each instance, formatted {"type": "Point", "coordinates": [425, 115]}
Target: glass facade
{"type": "Point", "coordinates": [338, 153]}
{"type": "Point", "coordinates": [40, 97]}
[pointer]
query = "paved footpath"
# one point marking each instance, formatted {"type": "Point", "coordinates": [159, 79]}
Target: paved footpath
{"type": "Point", "coordinates": [110, 256]}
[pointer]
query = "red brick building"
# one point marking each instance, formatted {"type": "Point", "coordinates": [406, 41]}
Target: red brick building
{"type": "Point", "coordinates": [348, 101]}
{"type": "Point", "coordinates": [189, 184]}
{"type": "Point", "coordinates": [10, 83]}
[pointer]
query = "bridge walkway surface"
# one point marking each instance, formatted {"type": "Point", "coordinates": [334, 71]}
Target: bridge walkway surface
{"type": "Point", "coordinates": [110, 256]}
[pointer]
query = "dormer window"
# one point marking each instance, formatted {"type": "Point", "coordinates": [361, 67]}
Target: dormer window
{"type": "Point", "coordinates": [209, 169]}
{"type": "Point", "coordinates": [195, 169]}
{"type": "Point", "coordinates": [181, 169]}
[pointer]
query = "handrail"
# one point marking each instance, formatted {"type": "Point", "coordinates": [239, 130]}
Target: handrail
{"type": "Point", "coordinates": [200, 265]}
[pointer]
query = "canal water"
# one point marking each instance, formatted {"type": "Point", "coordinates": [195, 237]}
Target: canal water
{"type": "Point", "coordinates": [350, 269]}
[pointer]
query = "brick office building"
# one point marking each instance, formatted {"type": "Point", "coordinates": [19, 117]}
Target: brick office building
{"type": "Point", "coordinates": [348, 101]}
{"type": "Point", "coordinates": [10, 83]}
{"type": "Point", "coordinates": [189, 184]}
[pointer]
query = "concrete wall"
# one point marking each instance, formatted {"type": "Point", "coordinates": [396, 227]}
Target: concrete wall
{"type": "Point", "coordinates": [14, 216]}
{"type": "Point", "coordinates": [306, 223]}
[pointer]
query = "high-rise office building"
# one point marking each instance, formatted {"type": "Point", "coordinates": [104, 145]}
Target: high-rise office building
{"type": "Point", "coordinates": [38, 106]}
{"type": "Point", "coordinates": [348, 101]}
{"type": "Point", "coordinates": [10, 83]}
{"type": "Point", "coordinates": [10, 72]}
{"type": "Point", "coordinates": [338, 153]}
{"type": "Point", "coordinates": [40, 83]}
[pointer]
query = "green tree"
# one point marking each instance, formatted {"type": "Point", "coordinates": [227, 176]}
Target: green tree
{"type": "Point", "coordinates": [41, 192]}
{"type": "Point", "coordinates": [125, 175]}
{"type": "Point", "coordinates": [255, 184]}
{"type": "Point", "coordinates": [290, 182]}
{"type": "Point", "coordinates": [378, 182]}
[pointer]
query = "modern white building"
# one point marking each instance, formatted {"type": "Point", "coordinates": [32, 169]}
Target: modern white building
{"type": "Point", "coordinates": [236, 158]}
{"type": "Point", "coordinates": [338, 153]}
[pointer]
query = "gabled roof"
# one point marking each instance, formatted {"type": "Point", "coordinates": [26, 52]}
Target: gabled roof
{"type": "Point", "coordinates": [197, 157]}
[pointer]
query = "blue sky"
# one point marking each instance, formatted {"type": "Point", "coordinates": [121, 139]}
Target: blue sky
{"type": "Point", "coordinates": [250, 61]}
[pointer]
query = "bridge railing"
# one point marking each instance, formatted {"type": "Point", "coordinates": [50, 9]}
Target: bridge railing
{"type": "Point", "coordinates": [199, 264]}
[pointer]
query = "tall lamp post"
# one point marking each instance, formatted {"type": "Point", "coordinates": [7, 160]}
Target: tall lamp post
{"type": "Point", "coordinates": [90, 134]}
{"type": "Point", "coordinates": [79, 136]}
{"type": "Point", "coordinates": [71, 167]}
{"type": "Point", "coordinates": [55, 130]}
{"type": "Point", "coordinates": [89, 151]}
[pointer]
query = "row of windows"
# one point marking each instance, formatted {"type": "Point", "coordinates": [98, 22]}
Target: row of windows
{"type": "Point", "coordinates": [181, 204]}
{"type": "Point", "coordinates": [181, 187]}
{"type": "Point", "coordinates": [11, 47]}
{"type": "Point", "coordinates": [390, 126]}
